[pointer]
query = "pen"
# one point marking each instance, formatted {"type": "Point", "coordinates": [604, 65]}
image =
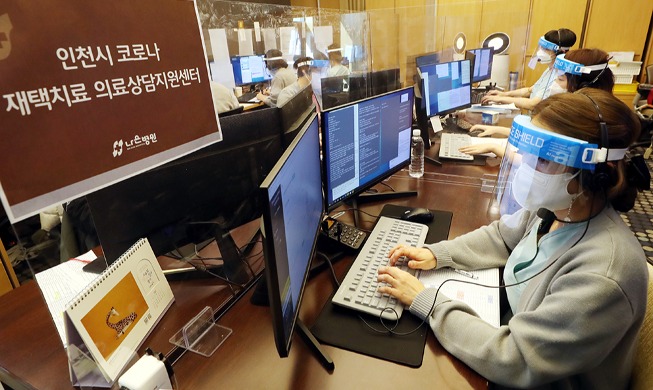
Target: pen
{"type": "Point", "coordinates": [466, 273]}
{"type": "Point", "coordinates": [338, 214]}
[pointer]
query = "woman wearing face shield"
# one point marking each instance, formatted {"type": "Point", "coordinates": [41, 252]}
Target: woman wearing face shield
{"type": "Point", "coordinates": [582, 68]}
{"type": "Point", "coordinates": [281, 77]}
{"type": "Point", "coordinates": [576, 69]}
{"type": "Point", "coordinates": [574, 274]}
{"type": "Point", "coordinates": [551, 44]}
{"type": "Point", "coordinates": [303, 66]}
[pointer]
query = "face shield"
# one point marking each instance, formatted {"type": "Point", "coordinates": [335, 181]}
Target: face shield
{"type": "Point", "coordinates": [546, 50]}
{"type": "Point", "coordinates": [267, 64]}
{"type": "Point", "coordinates": [564, 66]}
{"type": "Point", "coordinates": [541, 169]}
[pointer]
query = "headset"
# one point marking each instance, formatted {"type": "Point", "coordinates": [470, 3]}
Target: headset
{"type": "Point", "coordinates": [584, 84]}
{"type": "Point", "coordinates": [599, 180]}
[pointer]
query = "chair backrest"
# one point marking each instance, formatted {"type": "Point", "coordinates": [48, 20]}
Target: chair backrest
{"type": "Point", "coordinates": [236, 110]}
{"type": "Point", "coordinates": [642, 377]}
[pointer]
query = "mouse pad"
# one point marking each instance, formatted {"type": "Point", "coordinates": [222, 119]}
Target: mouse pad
{"type": "Point", "coordinates": [344, 328]}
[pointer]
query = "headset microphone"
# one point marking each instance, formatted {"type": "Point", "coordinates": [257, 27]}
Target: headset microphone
{"type": "Point", "coordinates": [545, 214]}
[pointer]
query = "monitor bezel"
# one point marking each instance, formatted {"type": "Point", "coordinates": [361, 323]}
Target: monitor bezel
{"type": "Point", "coordinates": [271, 272]}
{"type": "Point", "coordinates": [359, 190]}
{"type": "Point", "coordinates": [489, 74]}
{"type": "Point", "coordinates": [452, 109]}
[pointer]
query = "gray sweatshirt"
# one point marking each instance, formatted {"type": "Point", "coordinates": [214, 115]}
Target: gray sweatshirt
{"type": "Point", "coordinates": [577, 323]}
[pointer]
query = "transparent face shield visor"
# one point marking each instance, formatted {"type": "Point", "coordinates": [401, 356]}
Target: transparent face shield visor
{"type": "Point", "coordinates": [541, 169]}
{"type": "Point", "coordinates": [564, 66]}
{"type": "Point", "coordinates": [545, 52]}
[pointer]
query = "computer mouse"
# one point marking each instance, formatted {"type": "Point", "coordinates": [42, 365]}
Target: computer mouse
{"type": "Point", "coordinates": [418, 214]}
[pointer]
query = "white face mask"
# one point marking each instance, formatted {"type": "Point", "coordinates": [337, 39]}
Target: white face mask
{"type": "Point", "coordinates": [543, 56]}
{"type": "Point", "coordinates": [534, 190]}
{"type": "Point", "coordinates": [556, 89]}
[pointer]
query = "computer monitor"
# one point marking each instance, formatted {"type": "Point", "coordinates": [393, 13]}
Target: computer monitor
{"type": "Point", "coordinates": [292, 215]}
{"type": "Point", "coordinates": [364, 142]}
{"type": "Point", "coordinates": [427, 59]}
{"type": "Point", "coordinates": [482, 64]}
{"type": "Point", "coordinates": [171, 204]}
{"type": "Point", "coordinates": [383, 81]}
{"type": "Point", "coordinates": [295, 113]}
{"type": "Point", "coordinates": [446, 87]}
{"type": "Point", "coordinates": [249, 70]}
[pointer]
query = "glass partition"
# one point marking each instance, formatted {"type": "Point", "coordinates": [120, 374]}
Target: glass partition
{"type": "Point", "coordinates": [375, 50]}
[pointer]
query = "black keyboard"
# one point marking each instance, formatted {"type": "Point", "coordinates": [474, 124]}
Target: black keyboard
{"type": "Point", "coordinates": [246, 97]}
{"type": "Point", "coordinates": [645, 86]}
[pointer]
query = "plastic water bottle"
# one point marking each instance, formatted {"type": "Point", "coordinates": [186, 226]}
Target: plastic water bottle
{"type": "Point", "coordinates": [416, 168]}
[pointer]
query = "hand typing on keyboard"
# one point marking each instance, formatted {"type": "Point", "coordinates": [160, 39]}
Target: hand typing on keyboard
{"type": "Point", "coordinates": [402, 284]}
{"type": "Point", "coordinates": [482, 149]}
{"type": "Point", "coordinates": [488, 130]}
{"type": "Point", "coordinates": [418, 258]}
{"type": "Point", "coordinates": [399, 284]}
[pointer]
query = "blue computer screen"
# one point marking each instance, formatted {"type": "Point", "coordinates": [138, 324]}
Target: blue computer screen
{"type": "Point", "coordinates": [365, 142]}
{"type": "Point", "coordinates": [446, 87]}
{"type": "Point", "coordinates": [249, 70]}
{"type": "Point", "coordinates": [482, 64]}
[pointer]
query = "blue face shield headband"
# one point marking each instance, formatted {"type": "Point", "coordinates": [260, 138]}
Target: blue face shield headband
{"type": "Point", "coordinates": [567, 66]}
{"type": "Point", "coordinates": [558, 148]}
{"type": "Point", "coordinates": [548, 45]}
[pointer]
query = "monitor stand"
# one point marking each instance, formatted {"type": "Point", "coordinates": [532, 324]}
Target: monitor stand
{"type": "Point", "coordinates": [378, 197]}
{"type": "Point", "coordinates": [315, 345]}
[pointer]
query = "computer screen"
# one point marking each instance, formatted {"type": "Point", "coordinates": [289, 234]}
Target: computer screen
{"type": "Point", "coordinates": [482, 64]}
{"type": "Point", "coordinates": [427, 59]}
{"type": "Point", "coordinates": [218, 183]}
{"type": "Point", "coordinates": [364, 142]}
{"type": "Point", "coordinates": [249, 70]}
{"type": "Point", "coordinates": [446, 87]}
{"type": "Point", "coordinates": [293, 210]}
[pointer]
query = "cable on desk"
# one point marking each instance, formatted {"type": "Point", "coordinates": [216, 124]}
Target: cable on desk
{"type": "Point", "coordinates": [333, 271]}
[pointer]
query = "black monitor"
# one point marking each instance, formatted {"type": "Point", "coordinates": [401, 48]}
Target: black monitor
{"type": "Point", "coordinates": [293, 212]}
{"type": "Point", "coordinates": [364, 142]}
{"type": "Point", "coordinates": [335, 91]}
{"type": "Point", "coordinates": [446, 87]}
{"type": "Point", "coordinates": [482, 64]}
{"type": "Point", "coordinates": [427, 59]}
{"type": "Point", "coordinates": [383, 81]}
{"type": "Point", "coordinates": [171, 204]}
{"type": "Point", "coordinates": [250, 70]}
{"type": "Point", "coordinates": [294, 114]}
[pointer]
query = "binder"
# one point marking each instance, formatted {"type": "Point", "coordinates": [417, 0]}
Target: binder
{"type": "Point", "coordinates": [107, 322]}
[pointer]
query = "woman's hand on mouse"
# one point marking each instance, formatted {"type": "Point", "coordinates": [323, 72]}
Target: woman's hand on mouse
{"type": "Point", "coordinates": [419, 258]}
{"type": "Point", "coordinates": [401, 284]}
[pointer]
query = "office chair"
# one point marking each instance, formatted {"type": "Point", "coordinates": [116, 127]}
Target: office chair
{"type": "Point", "coordinates": [642, 376]}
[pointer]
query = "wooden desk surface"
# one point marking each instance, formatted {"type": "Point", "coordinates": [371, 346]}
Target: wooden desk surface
{"type": "Point", "coordinates": [31, 354]}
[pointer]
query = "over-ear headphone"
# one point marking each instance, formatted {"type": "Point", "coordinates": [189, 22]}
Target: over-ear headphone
{"type": "Point", "coordinates": [599, 180]}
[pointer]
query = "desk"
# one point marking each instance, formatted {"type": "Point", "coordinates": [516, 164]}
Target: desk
{"type": "Point", "coordinates": [251, 106]}
{"type": "Point", "coordinates": [31, 354]}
